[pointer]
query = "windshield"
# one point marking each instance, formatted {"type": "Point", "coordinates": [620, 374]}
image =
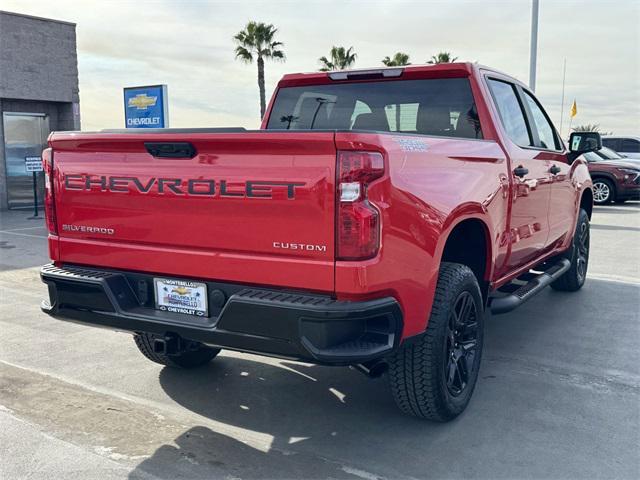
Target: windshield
{"type": "Point", "coordinates": [443, 107]}
{"type": "Point", "coordinates": [608, 154]}
{"type": "Point", "coordinates": [592, 157]}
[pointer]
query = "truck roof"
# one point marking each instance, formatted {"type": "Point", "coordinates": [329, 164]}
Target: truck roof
{"type": "Point", "coordinates": [440, 70]}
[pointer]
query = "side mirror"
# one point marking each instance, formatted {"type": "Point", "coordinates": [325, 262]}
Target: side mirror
{"type": "Point", "coordinates": [583, 142]}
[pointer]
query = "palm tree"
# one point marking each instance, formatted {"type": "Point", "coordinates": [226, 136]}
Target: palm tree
{"type": "Point", "coordinates": [442, 57]}
{"type": "Point", "coordinates": [397, 60]}
{"type": "Point", "coordinates": [340, 59]}
{"type": "Point", "coordinates": [288, 119]}
{"type": "Point", "coordinates": [587, 128]}
{"type": "Point", "coordinates": [257, 41]}
{"type": "Point", "coordinates": [595, 127]}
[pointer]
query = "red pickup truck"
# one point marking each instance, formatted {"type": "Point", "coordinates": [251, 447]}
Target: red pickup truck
{"type": "Point", "coordinates": [370, 222]}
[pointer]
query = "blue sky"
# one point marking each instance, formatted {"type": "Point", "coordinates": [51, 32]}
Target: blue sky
{"type": "Point", "coordinates": [188, 45]}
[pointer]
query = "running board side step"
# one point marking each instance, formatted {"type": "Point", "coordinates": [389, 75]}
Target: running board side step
{"type": "Point", "coordinates": [525, 291]}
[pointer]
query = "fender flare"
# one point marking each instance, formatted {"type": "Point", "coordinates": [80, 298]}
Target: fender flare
{"type": "Point", "coordinates": [463, 213]}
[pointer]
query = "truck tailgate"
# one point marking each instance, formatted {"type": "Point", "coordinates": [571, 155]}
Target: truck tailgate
{"type": "Point", "coordinates": [251, 207]}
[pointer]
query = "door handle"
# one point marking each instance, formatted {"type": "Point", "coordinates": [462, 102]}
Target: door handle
{"type": "Point", "coordinates": [554, 170]}
{"type": "Point", "coordinates": [520, 171]}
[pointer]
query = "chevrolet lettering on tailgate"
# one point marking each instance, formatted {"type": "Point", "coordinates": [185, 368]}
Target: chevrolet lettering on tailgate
{"type": "Point", "coordinates": [178, 186]}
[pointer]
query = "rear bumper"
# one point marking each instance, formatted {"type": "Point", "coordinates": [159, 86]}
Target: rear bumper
{"type": "Point", "coordinates": [308, 327]}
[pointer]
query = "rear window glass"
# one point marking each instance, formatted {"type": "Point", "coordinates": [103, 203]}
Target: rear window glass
{"type": "Point", "coordinates": [442, 107]}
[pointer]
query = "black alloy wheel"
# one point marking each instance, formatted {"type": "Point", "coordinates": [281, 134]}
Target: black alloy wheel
{"type": "Point", "coordinates": [582, 250]}
{"type": "Point", "coordinates": [462, 340]}
{"type": "Point", "coordinates": [573, 279]}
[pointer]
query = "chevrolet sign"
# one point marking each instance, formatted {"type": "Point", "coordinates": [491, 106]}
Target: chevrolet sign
{"type": "Point", "coordinates": [146, 107]}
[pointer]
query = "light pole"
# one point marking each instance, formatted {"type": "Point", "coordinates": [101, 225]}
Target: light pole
{"type": "Point", "coordinates": [534, 45]}
{"type": "Point", "coordinates": [564, 77]}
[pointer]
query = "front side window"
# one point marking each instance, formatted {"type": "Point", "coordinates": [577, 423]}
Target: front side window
{"type": "Point", "coordinates": [442, 107]}
{"type": "Point", "coordinates": [546, 135]}
{"type": "Point", "coordinates": [511, 112]}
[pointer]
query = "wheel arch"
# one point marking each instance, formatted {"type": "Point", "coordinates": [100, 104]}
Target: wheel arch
{"type": "Point", "coordinates": [468, 241]}
{"type": "Point", "coordinates": [586, 201]}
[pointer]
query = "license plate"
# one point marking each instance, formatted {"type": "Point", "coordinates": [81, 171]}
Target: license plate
{"type": "Point", "coordinates": [181, 296]}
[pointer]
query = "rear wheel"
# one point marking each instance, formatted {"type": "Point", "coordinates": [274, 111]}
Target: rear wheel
{"type": "Point", "coordinates": [195, 356]}
{"type": "Point", "coordinates": [574, 278]}
{"type": "Point", "coordinates": [433, 376]}
{"type": "Point", "coordinates": [603, 191]}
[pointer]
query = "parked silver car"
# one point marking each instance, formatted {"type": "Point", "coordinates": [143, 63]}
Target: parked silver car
{"type": "Point", "coordinates": [628, 145]}
{"type": "Point", "coordinates": [606, 154]}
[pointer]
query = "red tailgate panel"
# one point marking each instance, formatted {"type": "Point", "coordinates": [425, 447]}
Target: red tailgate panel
{"type": "Point", "coordinates": [251, 207]}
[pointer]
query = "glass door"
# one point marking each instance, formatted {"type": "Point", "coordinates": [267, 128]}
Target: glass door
{"type": "Point", "coordinates": [25, 135]}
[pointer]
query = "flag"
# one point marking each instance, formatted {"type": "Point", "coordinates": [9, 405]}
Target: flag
{"type": "Point", "coordinates": [574, 109]}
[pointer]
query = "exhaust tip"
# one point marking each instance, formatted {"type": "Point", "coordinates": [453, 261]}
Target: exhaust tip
{"type": "Point", "coordinates": [372, 370]}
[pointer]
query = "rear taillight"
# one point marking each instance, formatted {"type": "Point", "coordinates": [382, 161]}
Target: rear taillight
{"type": "Point", "coordinates": [358, 220]}
{"type": "Point", "coordinates": [49, 204]}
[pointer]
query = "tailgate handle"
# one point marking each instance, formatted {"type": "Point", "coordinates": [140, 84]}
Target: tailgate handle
{"type": "Point", "coordinates": [171, 149]}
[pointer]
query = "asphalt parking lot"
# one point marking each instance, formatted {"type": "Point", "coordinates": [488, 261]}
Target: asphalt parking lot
{"type": "Point", "coordinates": [558, 397]}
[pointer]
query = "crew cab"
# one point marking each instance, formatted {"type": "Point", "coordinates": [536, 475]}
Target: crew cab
{"type": "Point", "coordinates": [372, 221]}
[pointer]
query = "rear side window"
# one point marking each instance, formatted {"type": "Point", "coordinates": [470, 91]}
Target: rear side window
{"type": "Point", "coordinates": [612, 143]}
{"type": "Point", "coordinates": [630, 145]}
{"type": "Point", "coordinates": [443, 107]}
{"type": "Point", "coordinates": [511, 112]}
{"type": "Point", "coordinates": [546, 134]}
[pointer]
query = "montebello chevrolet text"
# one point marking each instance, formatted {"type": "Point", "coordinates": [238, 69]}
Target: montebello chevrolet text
{"type": "Point", "coordinates": [370, 222]}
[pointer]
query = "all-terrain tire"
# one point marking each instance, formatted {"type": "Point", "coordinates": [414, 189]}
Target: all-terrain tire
{"type": "Point", "coordinates": [196, 357]}
{"type": "Point", "coordinates": [419, 370]}
{"type": "Point", "coordinates": [574, 278]}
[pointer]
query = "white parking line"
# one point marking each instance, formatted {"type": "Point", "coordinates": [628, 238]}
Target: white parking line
{"type": "Point", "coordinates": [614, 278]}
{"type": "Point", "coordinates": [25, 228]}
{"type": "Point", "coordinates": [9, 232]}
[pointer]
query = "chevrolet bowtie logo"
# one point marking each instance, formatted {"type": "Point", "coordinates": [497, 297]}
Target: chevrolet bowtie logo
{"type": "Point", "coordinates": [142, 101]}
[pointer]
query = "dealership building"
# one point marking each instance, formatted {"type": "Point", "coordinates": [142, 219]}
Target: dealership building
{"type": "Point", "coordinates": [38, 94]}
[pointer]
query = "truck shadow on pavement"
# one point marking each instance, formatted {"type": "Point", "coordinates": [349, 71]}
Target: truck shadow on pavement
{"type": "Point", "coordinates": [297, 410]}
{"type": "Point", "coordinates": [303, 410]}
{"type": "Point", "coordinates": [202, 453]}
{"type": "Point", "coordinates": [311, 414]}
